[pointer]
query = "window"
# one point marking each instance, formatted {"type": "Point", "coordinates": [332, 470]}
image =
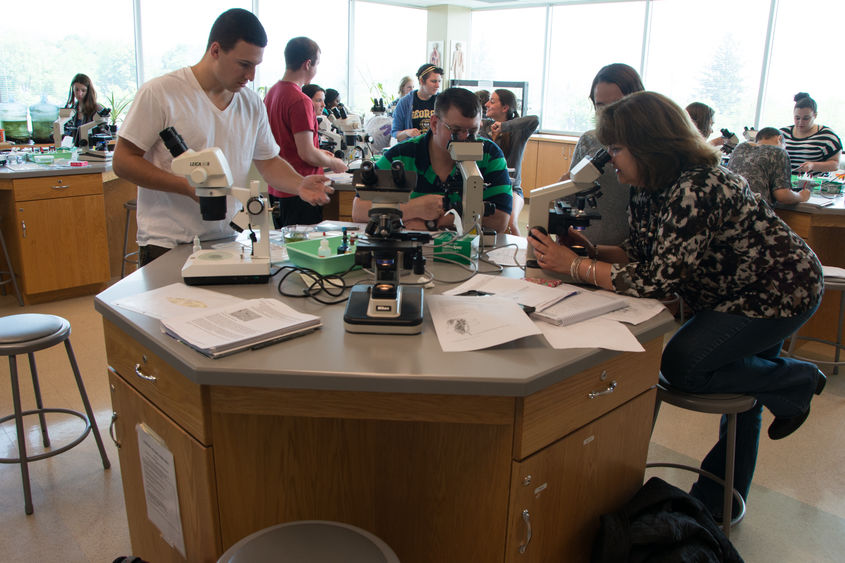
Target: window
{"type": "Point", "coordinates": [40, 54]}
{"type": "Point", "coordinates": [324, 22]}
{"type": "Point", "coordinates": [585, 38]}
{"type": "Point", "coordinates": [709, 52]}
{"type": "Point", "coordinates": [384, 52]}
{"type": "Point", "coordinates": [175, 34]}
{"type": "Point", "coordinates": [495, 55]}
{"type": "Point", "coordinates": [806, 58]}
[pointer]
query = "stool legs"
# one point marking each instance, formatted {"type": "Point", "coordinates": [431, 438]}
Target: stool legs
{"type": "Point", "coordinates": [16, 400]}
{"type": "Point", "coordinates": [730, 459]}
{"type": "Point", "coordinates": [93, 421]}
{"type": "Point", "coordinates": [38, 402]}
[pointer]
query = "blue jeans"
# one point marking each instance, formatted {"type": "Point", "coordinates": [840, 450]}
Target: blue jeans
{"type": "Point", "coordinates": [724, 353]}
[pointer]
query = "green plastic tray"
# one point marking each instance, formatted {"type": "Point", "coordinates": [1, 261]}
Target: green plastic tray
{"type": "Point", "coordinates": [304, 255]}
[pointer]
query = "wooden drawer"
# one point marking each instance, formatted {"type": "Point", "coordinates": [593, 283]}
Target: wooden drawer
{"type": "Point", "coordinates": [551, 414]}
{"type": "Point", "coordinates": [181, 399]}
{"type": "Point", "coordinates": [28, 189]}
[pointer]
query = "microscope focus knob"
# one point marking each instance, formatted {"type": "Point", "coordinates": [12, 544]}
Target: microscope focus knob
{"type": "Point", "coordinates": [198, 175]}
{"type": "Point", "coordinates": [255, 205]}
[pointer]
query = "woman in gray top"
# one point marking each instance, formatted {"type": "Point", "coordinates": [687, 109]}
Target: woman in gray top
{"type": "Point", "coordinates": [611, 83]}
{"type": "Point", "coordinates": [510, 132]}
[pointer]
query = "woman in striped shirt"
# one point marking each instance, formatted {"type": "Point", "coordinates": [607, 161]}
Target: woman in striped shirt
{"type": "Point", "coordinates": [811, 147]}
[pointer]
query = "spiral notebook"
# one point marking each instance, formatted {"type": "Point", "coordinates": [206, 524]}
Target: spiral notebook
{"type": "Point", "coordinates": [579, 307]}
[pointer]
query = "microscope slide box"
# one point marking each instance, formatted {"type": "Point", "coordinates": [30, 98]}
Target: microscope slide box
{"type": "Point", "coordinates": [304, 254]}
{"type": "Point", "coordinates": [460, 249]}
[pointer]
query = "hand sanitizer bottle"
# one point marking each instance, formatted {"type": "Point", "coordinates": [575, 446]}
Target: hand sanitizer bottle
{"type": "Point", "coordinates": [197, 245]}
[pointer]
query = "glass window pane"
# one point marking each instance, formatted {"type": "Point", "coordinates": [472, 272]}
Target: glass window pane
{"type": "Point", "coordinates": [698, 54]}
{"type": "Point", "coordinates": [383, 52]}
{"type": "Point", "coordinates": [30, 68]}
{"type": "Point", "coordinates": [325, 23]}
{"type": "Point", "coordinates": [809, 64]}
{"type": "Point", "coordinates": [174, 34]}
{"type": "Point", "coordinates": [585, 38]}
{"type": "Point", "coordinates": [495, 56]}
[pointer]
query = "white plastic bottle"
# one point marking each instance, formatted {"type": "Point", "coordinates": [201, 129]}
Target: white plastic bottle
{"type": "Point", "coordinates": [324, 251]}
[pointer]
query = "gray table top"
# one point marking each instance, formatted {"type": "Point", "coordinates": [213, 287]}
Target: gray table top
{"type": "Point", "coordinates": [333, 359]}
{"type": "Point", "coordinates": [32, 170]}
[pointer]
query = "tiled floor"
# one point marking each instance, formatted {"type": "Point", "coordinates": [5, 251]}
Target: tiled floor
{"type": "Point", "coordinates": [796, 509]}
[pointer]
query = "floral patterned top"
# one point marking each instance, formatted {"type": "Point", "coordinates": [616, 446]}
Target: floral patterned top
{"type": "Point", "coordinates": [712, 241]}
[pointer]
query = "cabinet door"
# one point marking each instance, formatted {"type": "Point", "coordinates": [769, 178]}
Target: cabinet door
{"type": "Point", "coordinates": [194, 481]}
{"type": "Point", "coordinates": [553, 160]}
{"type": "Point", "coordinates": [560, 492]}
{"type": "Point", "coordinates": [63, 243]}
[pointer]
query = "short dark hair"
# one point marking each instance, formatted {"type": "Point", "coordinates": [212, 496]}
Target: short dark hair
{"type": "Point", "coordinates": [767, 133]}
{"type": "Point", "coordinates": [702, 116]}
{"type": "Point", "coordinates": [659, 135]}
{"type": "Point", "coordinates": [331, 96]}
{"type": "Point", "coordinates": [311, 89]}
{"type": "Point", "coordinates": [427, 69]}
{"type": "Point", "coordinates": [299, 50]}
{"type": "Point", "coordinates": [620, 74]}
{"type": "Point", "coordinates": [803, 100]}
{"type": "Point", "coordinates": [235, 25]}
{"type": "Point", "coordinates": [461, 98]}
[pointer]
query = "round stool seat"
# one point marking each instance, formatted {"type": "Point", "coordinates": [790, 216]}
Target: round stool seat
{"type": "Point", "coordinates": [315, 541]}
{"type": "Point", "coordinates": [30, 332]}
{"type": "Point", "coordinates": [721, 403]}
{"type": "Point", "coordinates": [130, 205]}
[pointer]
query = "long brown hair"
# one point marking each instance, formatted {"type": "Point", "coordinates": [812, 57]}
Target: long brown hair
{"type": "Point", "coordinates": [506, 98]}
{"type": "Point", "coordinates": [659, 134]}
{"type": "Point", "coordinates": [88, 105]}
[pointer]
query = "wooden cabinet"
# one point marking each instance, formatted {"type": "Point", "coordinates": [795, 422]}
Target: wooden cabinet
{"type": "Point", "coordinates": [55, 230]}
{"type": "Point", "coordinates": [546, 159]}
{"type": "Point", "coordinates": [437, 477]}
{"type": "Point", "coordinates": [194, 469]}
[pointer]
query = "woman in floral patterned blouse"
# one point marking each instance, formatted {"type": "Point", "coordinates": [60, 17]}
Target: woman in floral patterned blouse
{"type": "Point", "coordinates": [697, 230]}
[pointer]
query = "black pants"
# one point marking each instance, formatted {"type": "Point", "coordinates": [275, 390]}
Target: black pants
{"type": "Point", "coordinates": [294, 211]}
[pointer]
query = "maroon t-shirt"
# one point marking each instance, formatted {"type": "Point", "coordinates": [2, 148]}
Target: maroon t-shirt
{"type": "Point", "coordinates": [290, 111]}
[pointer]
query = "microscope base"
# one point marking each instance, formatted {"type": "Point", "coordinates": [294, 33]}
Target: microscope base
{"type": "Point", "coordinates": [220, 267]}
{"type": "Point", "coordinates": [409, 321]}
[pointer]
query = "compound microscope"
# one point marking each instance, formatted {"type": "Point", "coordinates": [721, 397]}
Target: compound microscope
{"type": "Point", "coordinates": [386, 306]}
{"type": "Point", "coordinates": [549, 213]}
{"type": "Point", "coordinates": [208, 172]}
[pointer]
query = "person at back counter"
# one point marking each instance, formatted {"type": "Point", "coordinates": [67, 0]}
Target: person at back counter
{"type": "Point", "coordinates": [457, 113]}
{"type": "Point", "coordinates": [811, 147]}
{"type": "Point", "coordinates": [81, 97]}
{"type": "Point", "coordinates": [765, 165]}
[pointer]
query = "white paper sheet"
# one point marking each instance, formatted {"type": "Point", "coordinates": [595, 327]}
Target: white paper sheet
{"type": "Point", "coordinates": [475, 323]}
{"type": "Point", "coordinates": [516, 290]}
{"type": "Point", "coordinates": [594, 333]}
{"type": "Point", "coordinates": [160, 491]}
{"type": "Point", "coordinates": [637, 309]}
{"type": "Point", "coordinates": [175, 300]}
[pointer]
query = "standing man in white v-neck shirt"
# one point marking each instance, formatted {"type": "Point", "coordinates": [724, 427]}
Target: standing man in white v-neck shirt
{"type": "Point", "coordinates": [208, 105]}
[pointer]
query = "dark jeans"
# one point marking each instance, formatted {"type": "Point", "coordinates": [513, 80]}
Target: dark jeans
{"type": "Point", "coordinates": [294, 211]}
{"type": "Point", "coordinates": [723, 353]}
{"type": "Point", "coordinates": [148, 253]}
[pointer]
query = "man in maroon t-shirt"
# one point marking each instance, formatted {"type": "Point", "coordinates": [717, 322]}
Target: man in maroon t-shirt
{"type": "Point", "coordinates": [294, 125]}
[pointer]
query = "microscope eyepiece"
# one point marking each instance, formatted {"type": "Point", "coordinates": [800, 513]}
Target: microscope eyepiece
{"type": "Point", "coordinates": [173, 141]}
{"type": "Point", "coordinates": [600, 159]}
{"type": "Point", "coordinates": [368, 173]}
{"type": "Point", "coordinates": [397, 169]}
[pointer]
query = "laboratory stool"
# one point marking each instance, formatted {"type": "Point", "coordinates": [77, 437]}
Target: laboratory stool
{"type": "Point", "coordinates": [9, 271]}
{"type": "Point", "coordinates": [729, 405]}
{"type": "Point", "coordinates": [314, 541]}
{"type": "Point", "coordinates": [838, 346]}
{"type": "Point", "coordinates": [130, 206]}
{"type": "Point", "coordinates": [26, 334]}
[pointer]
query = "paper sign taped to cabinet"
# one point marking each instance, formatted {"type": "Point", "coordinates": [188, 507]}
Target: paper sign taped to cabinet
{"type": "Point", "coordinates": [160, 493]}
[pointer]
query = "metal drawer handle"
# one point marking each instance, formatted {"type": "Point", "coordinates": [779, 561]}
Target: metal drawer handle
{"type": "Point", "coordinates": [526, 517]}
{"type": "Point", "coordinates": [111, 430]}
{"type": "Point", "coordinates": [141, 374]}
{"type": "Point", "coordinates": [66, 186]}
{"type": "Point", "coordinates": [610, 389]}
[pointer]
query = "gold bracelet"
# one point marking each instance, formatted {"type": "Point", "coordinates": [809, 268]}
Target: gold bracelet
{"type": "Point", "coordinates": [595, 267]}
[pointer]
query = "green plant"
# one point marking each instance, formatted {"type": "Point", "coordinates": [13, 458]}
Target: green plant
{"type": "Point", "coordinates": [118, 107]}
{"type": "Point", "coordinates": [378, 88]}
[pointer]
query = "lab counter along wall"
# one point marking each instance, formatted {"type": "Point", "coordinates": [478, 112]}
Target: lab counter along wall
{"type": "Point", "coordinates": [445, 456]}
{"type": "Point", "coordinates": [54, 224]}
